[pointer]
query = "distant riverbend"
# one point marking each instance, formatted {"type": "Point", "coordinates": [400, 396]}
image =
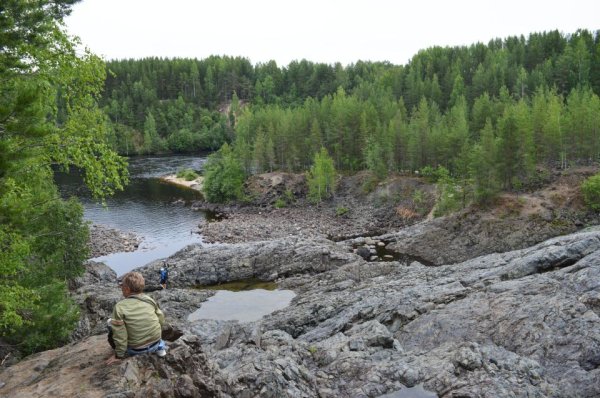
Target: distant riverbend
{"type": "Point", "coordinates": [156, 211]}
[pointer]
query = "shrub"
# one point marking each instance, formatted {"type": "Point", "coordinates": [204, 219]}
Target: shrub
{"type": "Point", "coordinates": [370, 183]}
{"type": "Point", "coordinates": [187, 174]}
{"type": "Point", "coordinates": [419, 202]}
{"type": "Point", "coordinates": [289, 197]}
{"type": "Point", "coordinates": [280, 203]}
{"type": "Point", "coordinates": [341, 210]}
{"type": "Point", "coordinates": [286, 199]}
{"type": "Point", "coordinates": [591, 192]}
{"type": "Point", "coordinates": [223, 176]}
{"type": "Point", "coordinates": [449, 200]}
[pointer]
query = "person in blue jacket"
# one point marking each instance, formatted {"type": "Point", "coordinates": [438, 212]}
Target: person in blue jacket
{"type": "Point", "coordinates": [164, 275]}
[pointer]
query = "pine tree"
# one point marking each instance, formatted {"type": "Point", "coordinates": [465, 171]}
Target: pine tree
{"type": "Point", "coordinates": [375, 157]}
{"type": "Point", "coordinates": [483, 165]}
{"type": "Point", "coordinates": [514, 148]}
{"type": "Point", "coordinates": [152, 141]}
{"type": "Point", "coordinates": [321, 177]}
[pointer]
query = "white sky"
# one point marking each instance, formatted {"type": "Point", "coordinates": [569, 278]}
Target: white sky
{"type": "Point", "coordinates": [318, 30]}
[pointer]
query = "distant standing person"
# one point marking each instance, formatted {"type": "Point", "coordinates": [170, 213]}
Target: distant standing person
{"type": "Point", "coordinates": [164, 275]}
{"type": "Point", "coordinates": [136, 323]}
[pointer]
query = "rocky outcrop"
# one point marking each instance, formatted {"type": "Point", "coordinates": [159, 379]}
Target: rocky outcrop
{"type": "Point", "coordinates": [78, 370]}
{"type": "Point", "coordinates": [523, 323]}
{"type": "Point", "coordinates": [280, 209]}
{"type": "Point", "coordinates": [105, 240]}
{"type": "Point", "coordinates": [465, 235]}
{"type": "Point", "coordinates": [265, 189]}
{"type": "Point", "coordinates": [266, 260]}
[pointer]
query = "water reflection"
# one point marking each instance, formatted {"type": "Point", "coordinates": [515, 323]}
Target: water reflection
{"type": "Point", "coordinates": [245, 306]}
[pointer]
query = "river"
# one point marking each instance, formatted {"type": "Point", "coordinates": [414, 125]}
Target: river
{"type": "Point", "coordinates": [157, 211]}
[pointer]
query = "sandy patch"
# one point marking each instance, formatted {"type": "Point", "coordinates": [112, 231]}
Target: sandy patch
{"type": "Point", "coordinates": [194, 184]}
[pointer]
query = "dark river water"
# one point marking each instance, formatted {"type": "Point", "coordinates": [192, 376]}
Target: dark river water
{"type": "Point", "coordinates": [156, 211]}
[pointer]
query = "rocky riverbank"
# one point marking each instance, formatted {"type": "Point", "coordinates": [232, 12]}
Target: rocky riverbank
{"type": "Point", "coordinates": [483, 303]}
{"type": "Point", "coordinates": [279, 208]}
{"type": "Point", "coordinates": [402, 224]}
{"type": "Point", "coordinates": [105, 240]}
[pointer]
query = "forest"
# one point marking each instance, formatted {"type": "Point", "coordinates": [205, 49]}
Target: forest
{"type": "Point", "coordinates": [490, 114]}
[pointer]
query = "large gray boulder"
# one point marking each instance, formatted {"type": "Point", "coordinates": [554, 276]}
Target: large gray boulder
{"type": "Point", "coordinates": [266, 260]}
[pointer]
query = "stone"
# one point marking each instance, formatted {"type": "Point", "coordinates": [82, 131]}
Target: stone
{"type": "Point", "coordinates": [516, 323]}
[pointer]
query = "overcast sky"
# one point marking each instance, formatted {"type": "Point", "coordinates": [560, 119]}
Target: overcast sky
{"type": "Point", "coordinates": [317, 30]}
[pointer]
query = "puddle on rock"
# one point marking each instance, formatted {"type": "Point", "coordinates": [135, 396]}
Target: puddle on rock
{"type": "Point", "coordinates": [243, 306]}
{"type": "Point", "coordinates": [376, 252]}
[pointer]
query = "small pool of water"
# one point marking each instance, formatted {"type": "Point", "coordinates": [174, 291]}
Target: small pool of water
{"type": "Point", "coordinates": [386, 254]}
{"type": "Point", "coordinates": [243, 306]}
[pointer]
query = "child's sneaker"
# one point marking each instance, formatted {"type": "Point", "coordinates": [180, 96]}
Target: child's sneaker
{"type": "Point", "coordinates": [161, 353]}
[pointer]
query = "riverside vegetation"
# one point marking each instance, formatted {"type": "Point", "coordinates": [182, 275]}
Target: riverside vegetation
{"type": "Point", "coordinates": [481, 122]}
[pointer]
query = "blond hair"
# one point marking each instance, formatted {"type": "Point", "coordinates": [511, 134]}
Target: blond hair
{"type": "Point", "coordinates": [134, 281]}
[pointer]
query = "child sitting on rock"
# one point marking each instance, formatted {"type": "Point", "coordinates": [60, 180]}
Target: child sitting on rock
{"type": "Point", "coordinates": [136, 323]}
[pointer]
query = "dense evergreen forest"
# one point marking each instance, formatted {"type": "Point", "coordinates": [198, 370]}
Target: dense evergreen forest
{"type": "Point", "coordinates": [487, 113]}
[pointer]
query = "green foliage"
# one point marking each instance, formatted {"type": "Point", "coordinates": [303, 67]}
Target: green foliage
{"type": "Point", "coordinates": [433, 175]}
{"type": "Point", "coordinates": [280, 203]}
{"type": "Point", "coordinates": [43, 238]}
{"type": "Point", "coordinates": [286, 199]}
{"type": "Point", "coordinates": [289, 197]}
{"type": "Point", "coordinates": [591, 192]}
{"type": "Point", "coordinates": [223, 176]}
{"type": "Point", "coordinates": [448, 200]}
{"type": "Point", "coordinates": [13, 254]}
{"type": "Point", "coordinates": [369, 115]}
{"type": "Point", "coordinates": [187, 174]}
{"type": "Point", "coordinates": [375, 159]}
{"type": "Point", "coordinates": [482, 167]}
{"type": "Point", "coordinates": [419, 202]}
{"type": "Point", "coordinates": [370, 183]}
{"type": "Point", "coordinates": [321, 177]}
{"type": "Point", "coordinates": [153, 143]}
{"type": "Point", "coordinates": [341, 210]}
{"type": "Point", "coordinates": [52, 318]}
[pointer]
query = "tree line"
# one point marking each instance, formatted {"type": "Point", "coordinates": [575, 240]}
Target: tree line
{"type": "Point", "coordinates": [161, 105]}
